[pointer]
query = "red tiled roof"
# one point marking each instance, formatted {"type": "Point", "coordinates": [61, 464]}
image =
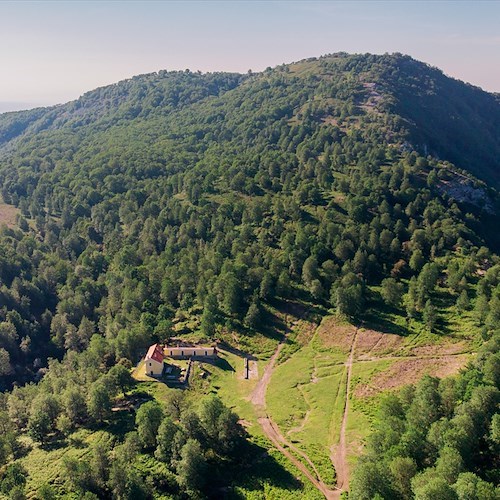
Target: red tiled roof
{"type": "Point", "coordinates": [155, 352]}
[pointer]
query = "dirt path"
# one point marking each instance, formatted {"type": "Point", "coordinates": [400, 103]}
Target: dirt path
{"type": "Point", "coordinates": [271, 430]}
{"type": "Point", "coordinates": [339, 452]}
{"type": "Point", "coordinates": [258, 396]}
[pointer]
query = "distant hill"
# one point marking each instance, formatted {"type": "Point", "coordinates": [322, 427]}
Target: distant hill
{"type": "Point", "coordinates": [446, 117]}
{"type": "Point", "coordinates": [437, 114]}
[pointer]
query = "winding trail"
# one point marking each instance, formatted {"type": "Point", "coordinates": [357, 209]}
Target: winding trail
{"type": "Point", "coordinates": [271, 430]}
{"type": "Point", "coordinates": [339, 453]}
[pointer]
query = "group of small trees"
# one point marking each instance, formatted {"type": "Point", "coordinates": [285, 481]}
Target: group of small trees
{"type": "Point", "coordinates": [461, 280]}
{"type": "Point", "coordinates": [191, 441]}
{"type": "Point", "coordinates": [81, 396]}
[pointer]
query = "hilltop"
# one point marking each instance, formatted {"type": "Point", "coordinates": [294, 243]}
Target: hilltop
{"type": "Point", "coordinates": [439, 115]}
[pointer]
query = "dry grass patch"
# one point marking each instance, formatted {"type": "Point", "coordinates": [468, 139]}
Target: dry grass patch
{"type": "Point", "coordinates": [408, 371]}
{"type": "Point", "coordinates": [305, 331]}
{"type": "Point", "coordinates": [444, 349]}
{"type": "Point", "coordinates": [370, 343]}
{"type": "Point", "coordinates": [334, 334]}
{"type": "Point", "coordinates": [8, 214]}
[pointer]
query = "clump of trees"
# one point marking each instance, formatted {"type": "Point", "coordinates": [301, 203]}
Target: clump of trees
{"type": "Point", "coordinates": [75, 392]}
{"type": "Point", "coordinates": [185, 453]}
{"type": "Point", "coordinates": [188, 445]}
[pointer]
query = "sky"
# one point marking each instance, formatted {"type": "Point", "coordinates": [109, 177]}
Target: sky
{"type": "Point", "coordinates": [54, 51]}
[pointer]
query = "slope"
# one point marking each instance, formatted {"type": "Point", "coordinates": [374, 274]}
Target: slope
{"type": "Point", "coordinates": [190, 206]}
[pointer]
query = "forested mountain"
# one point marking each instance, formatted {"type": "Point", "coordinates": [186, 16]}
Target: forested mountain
{"type": "Point", "coordinates": [201, 199]}
{"type": "Point", "coordinates": [445, 117]}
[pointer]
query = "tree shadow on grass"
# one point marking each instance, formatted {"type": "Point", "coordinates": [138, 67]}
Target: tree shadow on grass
{"type": "Point", "coordinates": [305, 306]}
{"type": "Point", "coordinates": [121, 423]}
{"type": "Point", "coordinates": [443, 328]}
{"type": "Point", "coordinates": [55, 443]}
{"type": "Point", "coordinates": [271, 325]}
{"type": "Point", "coordinates": [275, 326]}
{"type": "Point", "coordinates": [21, 449]}
{"type": "Point", "coordinates": [76, 442]}
{"type": "Point", "coordinates": [260, 468]}
{"type": "Point", "coordinates": [379, 316]}
{"type": "Point", "coordinates": [443, 301]}
{"type": "Point", "coordinates": [234, 350]}
{"type": "Point", "coordinates": [381, 322]}
{"type": "Point", "coordinates": [223, 364]}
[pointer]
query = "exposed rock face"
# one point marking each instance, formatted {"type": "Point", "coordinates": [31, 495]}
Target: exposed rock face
{"type": "Point", "coordinates": [465, 190]}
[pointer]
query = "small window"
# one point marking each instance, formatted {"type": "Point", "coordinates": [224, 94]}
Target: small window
{"type": "Point", "coordinates": [206, 353]}
{"type": "Point", "coordinates": [182, 353]}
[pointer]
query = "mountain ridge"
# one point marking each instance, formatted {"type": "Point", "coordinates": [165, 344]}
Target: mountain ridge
{"type": "Point", "coordinates": [434, 107]}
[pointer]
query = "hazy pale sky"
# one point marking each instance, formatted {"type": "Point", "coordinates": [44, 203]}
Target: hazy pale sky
{"type": "Point", "coordinates": [53, 51]}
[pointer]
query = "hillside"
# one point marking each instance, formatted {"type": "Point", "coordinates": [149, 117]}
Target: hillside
{"type": "Point", "coordinates": [441, 115]}
{"type": "Point", "coordinates": [334, 221]}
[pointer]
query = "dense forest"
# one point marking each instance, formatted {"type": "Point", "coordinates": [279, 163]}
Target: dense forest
{"type": "Point", "coordinates": [179, 196]}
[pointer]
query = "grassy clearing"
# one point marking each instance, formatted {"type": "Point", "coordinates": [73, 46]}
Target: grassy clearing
{"type": "Point", "coordinates": [226, 380]}
{"type": "Point", "coordinates": [306, 396]}
{"type": "Point", "coordinates": [362, 416]}
{"type": "Point", "coordinates": [284, 386]}
{"type": "Point", "coordinates": [326, 399]}
{"type": "Point", "coordinates": [306, 399]}
{"type": "Point", "coordinates": [296, 340]}
{"type": "Point", "coordinates": [362, 373]}
{"type": "Point", "coordinates": [331, 365]}
{"type": "Point", "coordinates": [362, 411]}
{"type": "Point", "coordinates": [321, 460]}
